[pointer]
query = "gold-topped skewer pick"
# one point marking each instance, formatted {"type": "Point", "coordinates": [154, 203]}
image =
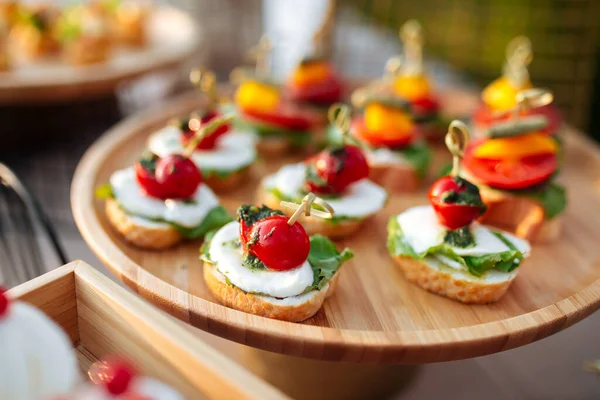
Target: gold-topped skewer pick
{"type": "Point", "coordinates": [532, 98]}
{"type": "Point", "coordinates": [202, 130]}
{"type": "Point", "coordinates": [260, 54]}
{"type": "Point", "coordinates": [518, 57]}
{"type": "Point", "coordinates": [206, 81]}
{"type": "Point", "coordinates": [323, 35]}
{"type": "Point", "coordinates": [457, 139]}
{"type": "Point", "coordinates": [306, 207]}
{"type": "Point", "coordinates": [411, 35]}
{"type": "Point", "coordinates": [340, 116]}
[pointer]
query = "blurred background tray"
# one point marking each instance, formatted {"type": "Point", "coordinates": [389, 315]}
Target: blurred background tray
{"type": "Point", "coordinates": [102, 319]}
{"type": "Point", "coordinates": [173, 37]}
{"type": "Point", "coordinates": [375, 315]}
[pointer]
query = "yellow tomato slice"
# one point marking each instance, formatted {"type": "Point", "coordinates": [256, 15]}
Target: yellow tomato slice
{"type": "Point", "coordinates": [500, 95]}
{"type": "Point", "coordinates": [379, 118]}
{"type": "Point", "coordinates": [412, 87]}
{"type": "Point", "coordinates": [257, 96]}
{"type": "Point", "coordinates": [517, 147]}
{"type": "Point", "coordinates": [311, 73]}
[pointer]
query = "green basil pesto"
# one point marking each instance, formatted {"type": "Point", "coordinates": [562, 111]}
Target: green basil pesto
{"type": "Point", "coordinates": [461, 237]}
{"type": "Point", "coordinates": [249, 214]}
{"type": "Point", "coordinates": [469, 196]}
{"type": "Point", "coordinates": [252, 262]}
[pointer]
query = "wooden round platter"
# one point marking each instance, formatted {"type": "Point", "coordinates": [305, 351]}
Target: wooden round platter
{"type": "Point", "coordinates": [173, 37]}
{"type": "Point", "coordinates": [375, 316]}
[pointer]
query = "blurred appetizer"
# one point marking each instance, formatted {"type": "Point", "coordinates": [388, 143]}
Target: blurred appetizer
{"type": "Point", "coordinates": [279, 124]}
{"type": "Point", "coordinates": [115, 378]}
{"type": "Point", "coordinates": [128, 20]}
{"type": "Point", "coordinates": [340, 174]}
{"type": "Point", "coordinates": [38, 361]}
{"type": "Point", "coordinates": [315, 82]}
{"type": "Point", "coordinates": [84, 32]}
{"type": "Point", "coordinates": [515, 165]}
{"type": "Point", "coordinates": [499, 97]}
{"type": "Point", "coordinates": [405, 78]}
{"type": "Point", "coordinates": [442, 248]}
{"type": "Point", "coordinates": [161, 200]}
{"type": "Point", "coordinates": [9, 13]}
{"type": "Point", "coordinates": [225, 156]}
{"type": "Point", "coordinates": [398, 156]}
{"type": "Point", "coordinates": [34, 34]}
{"type": "Point", "coordinates": [266, 264]}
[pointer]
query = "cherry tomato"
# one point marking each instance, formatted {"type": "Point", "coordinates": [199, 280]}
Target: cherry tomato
{"type": "Point", "coordinates": [147, 181]}
{"type": "Point", "coordinates": [452, 215]}
{"type": "Point", "coordinates": [510, 174]}
{"type": "Point", "coordinates": [287, 115]}
{"type": "Point", "coordinates": [210, 141]}
{"type": "Point", "coordinates": [178, 176]}
{"type": "Point", "coordinates": [326, 92]}
{"type": "Point", "coordinates": [118, 376]}
{"type": "Point", "coordinates": [339, 168]}
{"type": "Point", "coordinates": [425, 105]}
{"type": "Point", "coordinates": [277, 244]}
{"type": "Point", "coordinates": [383, 139]}
{"type": "Point", "coordinates": [4, 302]}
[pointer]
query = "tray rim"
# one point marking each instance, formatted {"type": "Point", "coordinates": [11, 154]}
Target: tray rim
{"type": "Point", "coordinates": [98, 81]}
{"type": "Point", "coordinates": [325, 343]}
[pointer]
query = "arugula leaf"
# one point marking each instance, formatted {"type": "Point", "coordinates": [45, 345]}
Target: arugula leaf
{"type": "Point", "coordinates": [104, 192]}
{"type": "Point", "coordinates": [419, 155]}
{"type": "Point", "coordinates": [325, 260]}
{"type": "Point", "coordinates": [205, 248]}
{"type": "Point", "coordinates": [505, 261]}
{"type": "Point", "coordinates": [216, 218]}
{"type": "Point", "coordinates": [551, 196]}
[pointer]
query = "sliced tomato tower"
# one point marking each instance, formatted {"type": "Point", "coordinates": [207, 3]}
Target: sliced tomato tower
{"type": "Point", "coordinates": [516, 154]}
{"type": "Point", "coordinates": [175, 176]}
{"type": "Point", "coordinates": [206, 82]}
{"type": "Point", "coordinates": [279, 242]}
{"type": "Point", "coordinates": [456, 201]}
{"type": "Point", "coordinates": [498, 99]}
{"type": "Point", "coordinates": [338, 166]}
{"type": "Point", "coordinates": [260, 101]}
{"type": "Point", "coordinates": [315, 81]}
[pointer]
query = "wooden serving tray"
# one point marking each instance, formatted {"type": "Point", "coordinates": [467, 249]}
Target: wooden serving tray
{"type": "Point", "coordinates": [102, 318]}
{"type": "Point", "coordinates": [173, 37]}
{"type": "Point", "coordinates": [375, 316]}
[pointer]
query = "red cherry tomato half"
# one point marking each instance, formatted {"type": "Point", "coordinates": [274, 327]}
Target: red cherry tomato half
{"type": "Point", "coordinates": [119, 375]}
{"type": "Point", "coordinates": [425, 106]}
{"type": "Point", "coordinates": [209, 142]}
{"type": "Point", "coordinates": [278, 245]}
{"type": "Point", "coordinates": [178, 176]}
{"type": "Point", "coordinates": [339, 168]}
{"type": "Point", "coordinates": [510, 174]}
{"type": "Point", "coordinates": [4, 302]}
{"type": "Point", "coordinates": [359, 130]}
{"type": "Point", "coordinates": [453, 216]}
{"type": "Point", "coordinates": [147, 180]}
{"type": "Point", "coordinates": [287, 115]}
{"type": "Point", "coordinates": [326, 92]}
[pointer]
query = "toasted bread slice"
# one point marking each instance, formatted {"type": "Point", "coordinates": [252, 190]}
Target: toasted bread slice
{"type": "Point", "coordinates": [455, 284]}
{"type": "Point", "coordinates": [273, 146]}
{"type": "Point", "coordinates": [150, 235]}
{"type": "Point", "coordinates": [396, 178]}
{"type": "Point", "coordinates": [312, 225]}
{"type": "Point", "coordinates": [231, 182]}
{"type": "Point", "coordinates": [292, 309]}
{"type": "Point", "coordinates": [521, 215]}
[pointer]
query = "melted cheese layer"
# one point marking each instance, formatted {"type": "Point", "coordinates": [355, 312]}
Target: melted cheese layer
{"type": "Point", "coordinates": [360, 199]}
{"type": "Point", "coordinates": [129, 194]}
{"type": "Point", "coordinates": [228, 261]}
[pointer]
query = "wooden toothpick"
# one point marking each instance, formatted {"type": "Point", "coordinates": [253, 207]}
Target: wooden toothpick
{"type": "Point", "coordinates": [532, 98]}
{"type": "Point", "coordinates": [518, 56]}
{"type": "Point", "coordinates": [261, 55]}
{"type": "Point", "coordinates": [201, 131]}
{"type": "Point", "coordinates": [411, 35]}
{"type": "Point", "coordinates": [340, 116]}
{"type": "Point", "coordinates": [206, 81]}
{"type": "Point", "coordinates": [456, 141]}
{"type": "Point", "coordinates": [306, 207]}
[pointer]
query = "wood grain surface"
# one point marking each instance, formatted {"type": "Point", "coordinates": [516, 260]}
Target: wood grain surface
{"type": "Point", "coordinates": [102, 318]}
{"type": "Point", "coordinates": [173, 37]}
{"type": "Point", "coordinates": [375, 315]}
